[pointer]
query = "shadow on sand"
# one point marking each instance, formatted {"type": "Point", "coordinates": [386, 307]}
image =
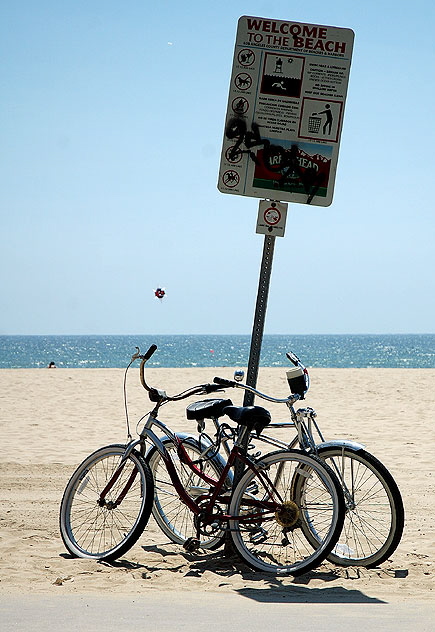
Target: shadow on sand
{"type": "Point", "coordinates": [272, 589]}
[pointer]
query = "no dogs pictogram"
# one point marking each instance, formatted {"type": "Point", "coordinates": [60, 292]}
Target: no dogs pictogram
{"type": "Point", "coordinates": [243, 81]}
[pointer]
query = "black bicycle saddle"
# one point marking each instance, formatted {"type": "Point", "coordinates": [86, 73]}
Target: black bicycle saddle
{"type": "Point", "coordinates": [253, 417]}
{"type": "Point", "coordinates": [207, 409]}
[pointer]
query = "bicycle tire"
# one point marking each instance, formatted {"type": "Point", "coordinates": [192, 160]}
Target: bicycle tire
{"type": "Point", "coordinates": [310, 494]}
{"type": "Point", "coordinates": [173, 517]}
{"type": "Point", "coordinates": [92, 528]}
{"type": "Point", "coordinates": [375, 515]}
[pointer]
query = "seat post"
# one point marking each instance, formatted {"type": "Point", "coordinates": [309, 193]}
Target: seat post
{"type": "Point", "coordinates": [242, 442]}
{"type": "Point", "coordinates": [242, 437]}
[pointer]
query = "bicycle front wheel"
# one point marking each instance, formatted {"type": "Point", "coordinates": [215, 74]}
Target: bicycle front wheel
{"type": "Point", "coordinates": [375, 517]}
{"type": "Point", "coordinates": [274, 507]}
{"type": "Point", "coordinates": [106, 504]}
{"type": "Point", "coordinates": [173, 517]}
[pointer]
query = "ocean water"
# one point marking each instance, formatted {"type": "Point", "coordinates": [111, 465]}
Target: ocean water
{"type": "Point", "coordinates": [356, 351]}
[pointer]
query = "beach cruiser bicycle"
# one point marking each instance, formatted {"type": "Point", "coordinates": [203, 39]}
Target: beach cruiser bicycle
{"type": "Point", "coordinates": [374, 519]}
{"type": "Point", "coordinates": [284, 516]}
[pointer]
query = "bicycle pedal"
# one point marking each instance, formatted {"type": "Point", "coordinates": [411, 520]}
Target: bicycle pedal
{"type": "Point", "coordinates": [191, 544]}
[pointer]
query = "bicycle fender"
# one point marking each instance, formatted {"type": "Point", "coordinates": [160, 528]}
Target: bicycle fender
{"type": "Point", "coordinates": [205, 443]}
{"type": "Point", "coordinates": [342, 443]}
{"type": "Point", "coordinates": [129, 449]}
{"type": "Point", "coordinates": [188, 435]}
{"type": "Point", "coordinates": [182, 435]}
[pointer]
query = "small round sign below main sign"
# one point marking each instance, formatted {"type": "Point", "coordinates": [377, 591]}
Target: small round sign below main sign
{"type": "Point", "coordinates": [272, 216]}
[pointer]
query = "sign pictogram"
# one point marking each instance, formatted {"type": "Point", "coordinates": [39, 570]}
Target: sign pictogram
{"type": "Point", "coordinates": [271, 218]}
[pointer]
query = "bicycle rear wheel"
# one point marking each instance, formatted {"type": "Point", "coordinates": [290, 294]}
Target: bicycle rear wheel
{"type": "Point", "coordinates": [173, 517]}
{"type": "Point", "coordinates": [106, 504]}
{"type": "Point", "coordinates": [291, 493]}
{"type": "Point", "coordinates": [375, 516]}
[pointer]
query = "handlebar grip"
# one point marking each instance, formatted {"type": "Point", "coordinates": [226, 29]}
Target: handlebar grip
{"type": "Point", "coordinates": [150, 352]}
{"type": "Point", "coordinates": [212, 388]}
{"type": "Point", "coordinates": [223, 382]}
{"type": "Point", "coordinates": [293, 358]}
{"type": "Point", "coordinates": [146, 357]}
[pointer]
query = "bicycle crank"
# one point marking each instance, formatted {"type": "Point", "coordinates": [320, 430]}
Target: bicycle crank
{"type": "Point", "coordinates": [208, 523]}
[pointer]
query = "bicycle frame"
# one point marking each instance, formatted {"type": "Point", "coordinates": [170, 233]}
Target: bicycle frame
{"type": "Point", "coordinates": [303, 420]}
{"type": "Point", "coordinates": [147, 434]}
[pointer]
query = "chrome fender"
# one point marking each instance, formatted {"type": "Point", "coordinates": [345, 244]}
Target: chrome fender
{"type": "Point", "coordinates": [182, 435]}
{"type": "Point", "coordinates": [204, 442]}
{"type": "Point", "coordinates": [341, 443]}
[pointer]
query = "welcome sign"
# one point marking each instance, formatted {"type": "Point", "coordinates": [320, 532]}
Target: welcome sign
{"type": "Point", "coordinates": [285, 110]}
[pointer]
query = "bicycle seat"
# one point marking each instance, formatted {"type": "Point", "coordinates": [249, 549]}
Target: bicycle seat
{"type": "Point", "coordinates": [207, 409]}
{"type": "Point", "coordinates": [253, 417]}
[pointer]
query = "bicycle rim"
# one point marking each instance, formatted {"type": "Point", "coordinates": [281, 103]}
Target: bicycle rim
{"type": "Point", "coordinates": [310, 498]}
{"type": "Point", "coordinates": [374, 520]}
{"type": "Point", "coordinates": [106, 528]}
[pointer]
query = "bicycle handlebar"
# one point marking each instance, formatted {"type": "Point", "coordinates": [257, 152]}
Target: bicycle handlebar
{"type": "Point", "coordinates": [144, 359]}
{"type": "Point", "coordinates": [157, 395]}
{"type": "Point", "coordinates": [150, 352]}
{"type": "Point", "coordinates": [299, 383]}
{"type": "Point", "coordinates": [223, 382]}
{"type": "Point", "coordinates": [231, 384]}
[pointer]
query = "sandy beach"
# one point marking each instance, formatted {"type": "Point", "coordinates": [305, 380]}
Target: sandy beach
{"type": "Point", "coordinates": [51, 419]}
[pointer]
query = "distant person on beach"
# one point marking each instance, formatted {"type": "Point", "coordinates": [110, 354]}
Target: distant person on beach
{"type": "Point", "coordinates": [51, 366]}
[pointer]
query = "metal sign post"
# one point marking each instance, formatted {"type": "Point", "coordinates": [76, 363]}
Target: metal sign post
{"type": "Point", "coordinates": [283, 127]}
{"type": "Point", "coordinates": [259, 317]}
{"type": "Point", "coordinates": [273, 214]}
{"type": "Point", "coordinates": [282, 133]}
{"type": "Point", "coordinates": [271, 221]}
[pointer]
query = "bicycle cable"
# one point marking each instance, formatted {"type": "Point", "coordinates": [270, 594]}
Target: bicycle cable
{"type": "Point", "coordinates": [129, 435]}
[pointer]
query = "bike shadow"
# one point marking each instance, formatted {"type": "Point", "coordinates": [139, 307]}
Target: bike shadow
{"type": "Point", "coordinates": [270, 589]}
{"type": "Point", "coordinates": [297, 594]}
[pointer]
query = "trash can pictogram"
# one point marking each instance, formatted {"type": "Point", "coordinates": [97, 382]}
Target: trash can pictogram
{"type": "Point", "coordinates": [314, 124]}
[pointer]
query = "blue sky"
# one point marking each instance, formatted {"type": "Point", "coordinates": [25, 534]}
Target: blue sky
{"type": "Point", "coordinates": [113, 116]}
